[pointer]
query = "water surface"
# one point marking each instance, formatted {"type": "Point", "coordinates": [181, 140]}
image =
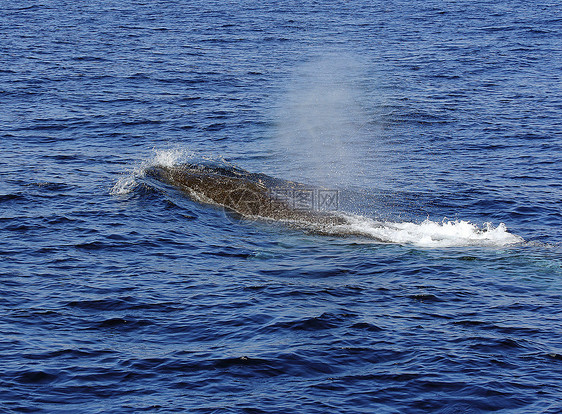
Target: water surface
{"type": "Point", "coordinates": [438, 124]}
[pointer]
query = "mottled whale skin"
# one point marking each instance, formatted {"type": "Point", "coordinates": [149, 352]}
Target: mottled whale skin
{"type": "Point", "coordinates": [245, 193]}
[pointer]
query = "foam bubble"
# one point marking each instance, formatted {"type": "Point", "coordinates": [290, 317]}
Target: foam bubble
{"type": "Point", "coordinates": [429, 233]}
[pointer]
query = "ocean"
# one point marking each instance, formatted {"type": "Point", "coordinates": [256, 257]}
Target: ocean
{"type": "Point", "coordinates": [429, 133]}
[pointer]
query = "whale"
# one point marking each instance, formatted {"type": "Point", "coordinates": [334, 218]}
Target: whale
{"type": "Point", "coordinates": [255, 196]}
{"type": "Point", "coordinates": [249, 195]}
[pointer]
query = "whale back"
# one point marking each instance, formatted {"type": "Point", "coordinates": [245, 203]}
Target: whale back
{"type": "Point", "coordinates": [248, 194]}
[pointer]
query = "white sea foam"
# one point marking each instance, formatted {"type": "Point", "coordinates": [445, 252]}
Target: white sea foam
{"type": "Point", "coordinates": [429, 233]}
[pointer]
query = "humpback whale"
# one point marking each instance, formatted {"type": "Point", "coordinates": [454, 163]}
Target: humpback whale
{"type": "Point", "coordinates": [255, 196]}
{"type": "Point", "coordinates": [250, 195]}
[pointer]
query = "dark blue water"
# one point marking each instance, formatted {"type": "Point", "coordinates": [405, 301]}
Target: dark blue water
{"type": "Point", "coordinates": [439, 126]}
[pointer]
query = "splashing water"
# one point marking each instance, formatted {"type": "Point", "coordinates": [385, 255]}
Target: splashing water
{"type": "Point", "coordinates": [127, 183]}
{"type": "Point", "coordinates": [429, 233]}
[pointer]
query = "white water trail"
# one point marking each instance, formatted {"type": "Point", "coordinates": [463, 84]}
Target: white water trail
{"type": "Point", "coordinates": [458, 233]}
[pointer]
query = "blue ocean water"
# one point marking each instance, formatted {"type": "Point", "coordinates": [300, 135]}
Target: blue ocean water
{"type": "Point", "coordinates": [437, 124]}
